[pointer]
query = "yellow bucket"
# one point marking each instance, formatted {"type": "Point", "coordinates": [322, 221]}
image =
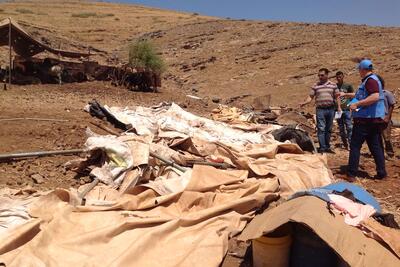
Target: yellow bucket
{"type": "Point", "coordinates": [271, 251]}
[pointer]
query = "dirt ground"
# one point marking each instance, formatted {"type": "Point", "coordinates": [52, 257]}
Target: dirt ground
{"type": "Point", "coordinates": [58, 103]}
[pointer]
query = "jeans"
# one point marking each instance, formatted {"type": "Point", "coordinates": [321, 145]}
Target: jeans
{"type": "Point", "coordinates": [370, 132]}
{"type": "Point", "coordinates": [325, 118]}
{"type": "Point", "coordinates": [345, 127]}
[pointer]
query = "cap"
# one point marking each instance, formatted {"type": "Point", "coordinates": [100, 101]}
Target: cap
{"type": "Point", "coordinates": [365, 64]}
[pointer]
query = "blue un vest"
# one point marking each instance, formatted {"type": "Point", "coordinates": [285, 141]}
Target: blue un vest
{"type": "Point", "coordinates": [376, 110]}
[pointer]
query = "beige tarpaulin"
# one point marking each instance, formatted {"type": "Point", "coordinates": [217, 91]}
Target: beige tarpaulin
{"type": "Point", "coordinates": [183, 137]}
{"type": "Point", "coordinates": [155, 214]}
{"type": "Point", "coordinates": [189, 228]}
{"type": "Point", "coordinates": [347, 241]}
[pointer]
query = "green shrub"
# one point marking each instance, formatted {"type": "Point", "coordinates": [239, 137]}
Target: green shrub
{"type": "Point", "coordinates": [105, 15]}
{"type": "Point", "coordinates": [24, 11]}
{"type": "Point", "coordinates": [143, 54]}
{"type": "Point", "coordinates": [91, 14]}
{"type": "Point", "coordinates": [84, 15]}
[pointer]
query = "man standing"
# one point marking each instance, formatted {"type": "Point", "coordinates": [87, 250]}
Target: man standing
{"type": "Point", "coordinates": [325, 93]}
{"type": "Point", "coordinates": [344, 122]}
{"type": "Point", "coordinates": [390, 101]}
{"type": "Point", "coordinates": [368, 112]}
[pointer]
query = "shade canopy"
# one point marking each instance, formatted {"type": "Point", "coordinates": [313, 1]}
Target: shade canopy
{"type": "Point", "coordinates": [25, 45]}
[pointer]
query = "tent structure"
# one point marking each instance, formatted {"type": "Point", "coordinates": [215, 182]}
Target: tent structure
{"type": "Point", "coordinates": [14, 36]}
{"type": "Point", "coordinates": [25, 45]}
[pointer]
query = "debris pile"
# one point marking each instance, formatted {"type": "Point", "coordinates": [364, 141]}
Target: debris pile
{"type": "Point", "coordinates": [173, 189]}
{"type": "Point", "coordinates": [286, 124]}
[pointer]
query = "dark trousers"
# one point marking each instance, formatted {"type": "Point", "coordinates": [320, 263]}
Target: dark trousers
{"type": "Point", "coordinates": [371, 133]}
{"type": "Point", "coordinates": [345, 127]}
{"type": "Point", "coordinates": [325, 117]}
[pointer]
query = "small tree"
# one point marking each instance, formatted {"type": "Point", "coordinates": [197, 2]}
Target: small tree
{"type": "Point", "coordinates": [143, 55]}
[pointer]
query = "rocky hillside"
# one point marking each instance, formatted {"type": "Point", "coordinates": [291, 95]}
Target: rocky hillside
{"type": "Point", "coordinates": [212, 57]}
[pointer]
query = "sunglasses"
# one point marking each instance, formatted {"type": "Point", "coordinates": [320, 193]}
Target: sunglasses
{"type": "Point", "coordinates": [321, 75]}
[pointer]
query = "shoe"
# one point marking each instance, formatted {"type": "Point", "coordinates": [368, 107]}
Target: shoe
{"type": "Point", "coordinates": [321, 150]}
{"type": "Point", "coordinates": [379, 177]}
{"type": "Point", "coordinates": [329, 150]}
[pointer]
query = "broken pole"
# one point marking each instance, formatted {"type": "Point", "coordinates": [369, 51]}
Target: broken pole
{"type": "Point", "coordinates": [10, 53]}
{"type": "Point", "coordinates": [40, 154]}
{"type": "Point", "coordinates": [33, 119]}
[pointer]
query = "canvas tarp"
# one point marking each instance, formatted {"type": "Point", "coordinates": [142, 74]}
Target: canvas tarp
{"type": "Point", "coordinates": [189, 228]}
{"type": "Point", "coordinates": [347, 241]}
{"type": "Point", "coordinates": [13, 208]}
{"type": "Point", "coordinates": [183, 137]}
{"type": "Point", "coordinates": [25, 45]}
{"type": "Point", "coordinates": [157, 215]}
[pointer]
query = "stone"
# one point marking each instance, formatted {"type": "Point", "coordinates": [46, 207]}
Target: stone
{"type": "Point", "coordinates": [87, 179]}
{"type": "Point", "coordinates": [216, 99]}
{"type": "Point", "coordinates": [37, 178]}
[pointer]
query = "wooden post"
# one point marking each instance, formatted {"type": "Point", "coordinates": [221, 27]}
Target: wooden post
{"type": "Point", "coordinates": [10, 49]}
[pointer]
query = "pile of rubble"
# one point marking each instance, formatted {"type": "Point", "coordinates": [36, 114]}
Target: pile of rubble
{"type": "Point", "coordinates": [173, 188]}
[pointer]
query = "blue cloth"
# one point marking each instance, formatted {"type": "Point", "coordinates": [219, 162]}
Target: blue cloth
{"type": "Point", "coordinates": [316, 192]}
{"type": "Point", "coordinates": [359, 193]}
{"type": "Point", "coordinates": [376, 110]}
{"type": "Point", "coordinates": [325, 118]}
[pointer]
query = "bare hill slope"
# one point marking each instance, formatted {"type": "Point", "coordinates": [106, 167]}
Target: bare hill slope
{"type": "Point", "coordinates": [215, 57]}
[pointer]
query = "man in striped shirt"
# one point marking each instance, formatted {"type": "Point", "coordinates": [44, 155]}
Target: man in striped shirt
{"type": "Point", "coordinates": [325, 93]}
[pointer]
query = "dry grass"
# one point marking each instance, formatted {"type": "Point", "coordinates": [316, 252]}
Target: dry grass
{"type": "Point", "coordinates": [91, 14]}
{"type": "Point", "coordinates": [24, 11]}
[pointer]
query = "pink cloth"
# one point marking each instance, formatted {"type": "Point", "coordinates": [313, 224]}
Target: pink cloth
{"type": "Point", "coordinates": [354, 213]}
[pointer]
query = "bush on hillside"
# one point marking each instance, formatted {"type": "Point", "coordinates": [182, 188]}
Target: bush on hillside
{"type": "Point", "coordinates": [143, 55]}
{"type": "Point", "coordinates": [24, 11]}
{"type": "Point", "coordinates": [84, 15]}
{"type": "Point", "coordinates": [92, 14]}
{"type": "Point", "coordinates": [105, 15]}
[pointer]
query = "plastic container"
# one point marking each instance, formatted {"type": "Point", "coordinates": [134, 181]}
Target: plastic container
{"type": "Point", "coordinates": [271, 251]}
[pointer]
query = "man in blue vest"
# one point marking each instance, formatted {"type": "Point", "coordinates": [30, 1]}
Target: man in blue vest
{"type": "Point", "coordinates": [368, 109]}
